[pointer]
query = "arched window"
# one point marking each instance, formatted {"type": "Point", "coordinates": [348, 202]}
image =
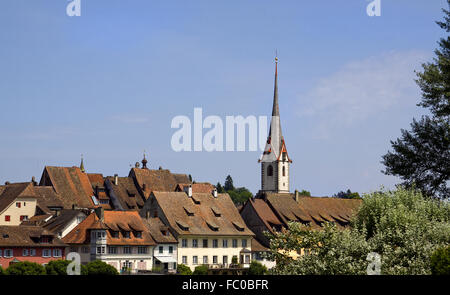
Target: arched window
{"type": "Point", "coordinates": [284, 171]}
{"type": "Point", "coordinates": [270, 170]}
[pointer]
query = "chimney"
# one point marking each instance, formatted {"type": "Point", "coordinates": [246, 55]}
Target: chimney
{"type": "Point", "coordinates": [188, 190]}
{"type": "Point", "coordinates": [100, 213]}
{"type": "Point", "coordinates": [116, 179]}
{"type": "Point", "coordinates": [215, 192]}
{"type": "Point", "coordinates": [33, 180]}
{"type": "Point", "coordinates": [297, 195]}
{"type": "Point", "coordinates": [57, 213]}
{"type": "Point", "coordinates": [147, 214]}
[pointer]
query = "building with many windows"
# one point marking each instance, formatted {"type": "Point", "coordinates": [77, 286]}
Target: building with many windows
{"type": "Point", "coordinates": [208, 227]}
{"type": "Point", "coordinates": [29, 243]}
{"type": "Point", "coordinates": [118, 238]}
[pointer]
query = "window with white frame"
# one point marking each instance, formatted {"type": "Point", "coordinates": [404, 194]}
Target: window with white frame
{"type": "Point", "coordinates": [112, 250]}
{"type": "Point", "coordinates": [235, 243]}
{"type": "Point", "coordinates": [25, 252]}
{"type": "Point", "coordinates": [244, 243]}
{"type": "Point", "coordinates": [32, 252]}
{"type": "Point", "coordinates": [194, 243]}
{"type": "Point", "coordinates": [214, 259]}
{"type": "Point", "coordinates": [205, 259]}
{"type": "Point", "coordinates": [215, 243]}
{"type": "Point", "coordinates": [194, 260]}
{"type": "Point", "coordinates": [8, 253]}
{"type": "Point", "coordinates": [46, 253]}
{"type": "Point", "coordinates": [57, 253]}
{"type": "Point", "coordinates": [170, 249]}
{"type": "Point", "coordinates": [126, 250]}
{"type": "Point", "coordinates": [184, 243]}
{"type": "Point", "coordinates": [225, 243]}
{"type": "Point", "coordinates": [160, 249]}
{"type": "Point", "coordinates": [184, 260]}
{"type": "Point", "coordinates": [142, 250]}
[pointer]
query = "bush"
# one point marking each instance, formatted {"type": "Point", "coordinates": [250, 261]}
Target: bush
{"type": "Point", "coordinates": [98, 267]}
{"type": "Point", "coordinates": [59, 267]}
{"type": "Point", "coordinates": [2, 272]}
{"type": "Point", "coordinates": [183, 269]}
{"type": "Point", "coordinates": [25, 268]}
{"type": "Point", "coordinates": [201, 270]}
{"type": "Point", "coordinates": [440, 262]}
{"type": "Point", "coordinates": [257, 268]}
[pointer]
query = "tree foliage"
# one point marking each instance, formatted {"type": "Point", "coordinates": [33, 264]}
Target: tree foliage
{"type": "Point", "coordinates": [440, 261]}
{"type": "Point", "coordinates": [401, 226]}
{"type": "Point", "coordinates": [98, 267]}
{"type": "Point", "coordinates": [201, 270]}
{"type": "Point", "coordinates": [421, 157]}
{"type": "Point", "coordinates": [239, 195]}
{"type": "Point", "coordinates": [59, 267]}
{"type": "Point", "coordinates": [257, 268]}
{"type": "Point", "coordinates": [183, 269]}
{"type": "Point", "coordinates": [228, 186]}
{"type": "Point", "coordinates": [25, 268]}
{"type": "Point", "coordinates": [305, 193]}
{"type": "Point", "coordinates": [347, 195]}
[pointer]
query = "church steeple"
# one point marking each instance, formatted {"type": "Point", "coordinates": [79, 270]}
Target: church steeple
{"type": "Point", "coordinates": [275, 160]}
{"type": "Point", "coordinates": [82, 165]}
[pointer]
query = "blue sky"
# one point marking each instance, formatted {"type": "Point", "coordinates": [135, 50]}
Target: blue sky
{"type": "Point", "coordinates": [108, 83]}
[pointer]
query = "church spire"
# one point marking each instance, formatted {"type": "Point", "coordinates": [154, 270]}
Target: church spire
{"type": "Point", "coordinates": [276, 108]}
{"type": "Point", "coordinates": [82, 164]}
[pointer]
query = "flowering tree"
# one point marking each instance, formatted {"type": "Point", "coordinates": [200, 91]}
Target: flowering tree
{"type": "Point", "coordinates": [401, 226]}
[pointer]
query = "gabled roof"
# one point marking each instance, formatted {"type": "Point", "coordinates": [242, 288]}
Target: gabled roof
{"type": "Point", "coordinates": [198, 187]}
{"type": "Point", "coordinates": [157, 180]}
{"type": "Point", "coordinates": [113, 221]}
{"type": "Point", "coordinates": [47, 198]}
{"type": "Point", "coordinates": [156, 228]}
{"type": "Point", "coordinates": [264, 212]}
{"type": "Point", "coordinates": [71, 184]}
{"type": "Point", "coordinates": [10, 192]}
{"type": "Point", "coordinates": [126, 193]}
{"type": "Point", "coordinates": [312, 210]}
{"type": "Point", "coordinates": [203, 221]}
{"type": "Point", "coordinates": [61, 220]}
{"type": "Point", "coordinates": [23, 236]}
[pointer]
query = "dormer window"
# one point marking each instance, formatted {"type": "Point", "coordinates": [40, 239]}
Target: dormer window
{"type": "Point", "coordinates": [138, 234]}
{"type": "Point", "coordinates": [45, 240]}
{"type": "Point", "coordinates": [114, 234]}
{"type": "Point", "coordinates": [126, 234]}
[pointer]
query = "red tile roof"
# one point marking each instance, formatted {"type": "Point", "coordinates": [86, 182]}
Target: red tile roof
{"type": "Point", "coordinates": [113, 221]}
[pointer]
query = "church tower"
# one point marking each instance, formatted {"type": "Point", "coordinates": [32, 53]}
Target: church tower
{"type": "Point", "coordinates": [275, 160]}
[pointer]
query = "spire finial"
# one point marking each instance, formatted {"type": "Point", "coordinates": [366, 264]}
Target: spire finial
{"type": "Point", "coordinates": [144, 162]}
{"type": "Point", "coordinates": [276, 56]}
{"type": "Point", "coordinates": [82, 164]}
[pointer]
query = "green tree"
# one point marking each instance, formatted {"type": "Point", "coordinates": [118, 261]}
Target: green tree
{"type": "Point", "coordinates": [59, 267]}
{"type": "Point", "coordinates": [257, 268]}
{"type": "Point", "coordinates": [421, 157]}
{"type": "Point", "coordinates": [240, 195]}
{"type": "Point", "coordinates": [440, 261]}
{"type": "Point", "coordinates": [25, 268]}
{"type": "Point", "coordinates": [201, 270]}
{"type": "Point", "coordinates": [347, 195]}
{"type": "Point", "coordinates": [220, 188]}
{"type": "Point", "coordinates": [400, 225]}
{"type": "Point", "coordinates": [184, 269]}
{"type": "Point", "coordinates": [98, 267]}
{"type": "Point", "coordinates": [228, 186]}
{"type": "Point", "coordinates": [305, 193]}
